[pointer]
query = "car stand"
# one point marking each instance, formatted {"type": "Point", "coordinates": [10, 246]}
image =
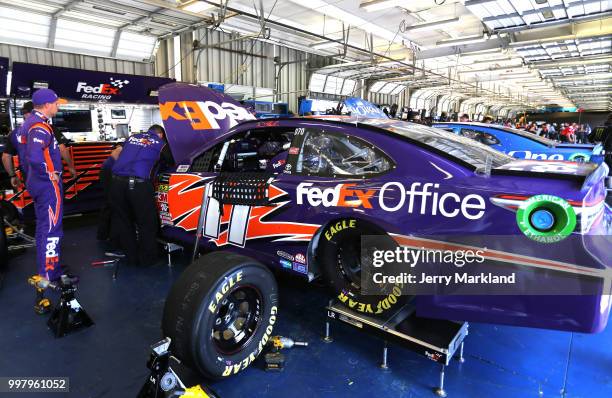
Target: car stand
{"type": "Point", "coordinates": [164, 380]}
{"type": "Point", "coordinates": [437, 340]}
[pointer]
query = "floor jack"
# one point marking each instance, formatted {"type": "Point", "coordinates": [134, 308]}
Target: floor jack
{"type": "Point", "coordinates": [68, 316]}
{"type": "Point", "coordinates": [164, 381]}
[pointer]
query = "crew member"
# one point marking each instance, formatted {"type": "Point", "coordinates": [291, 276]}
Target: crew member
{"type": "Point", "coordinates": [133, 194]}
{"type": "Point", "coordinates": [464, 118]}
{"type": "Point", "coordinates": [44, 182]}
{"type": "Point", "coordinates": [106, 224]}
{"type": "Point", "coordinates": [15, 146]}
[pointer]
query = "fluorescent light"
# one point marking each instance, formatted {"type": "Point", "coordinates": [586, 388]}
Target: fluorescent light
{"type": "Point", "coordinates": [324, 44]}
{"type": "Point", "coordinates": [197, 6]}
{"type": "Point", "coordinates": [433, 25]}
{"type": "Point", "coordinates": [461, 40]}
{"type": "Point", "coordinates": [377, 5]}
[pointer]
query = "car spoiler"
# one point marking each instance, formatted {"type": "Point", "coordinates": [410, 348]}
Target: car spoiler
{"type": "Point", "coordinates": [595, 149]}
{"type": "Point", "coordinates": [584, 174]}
{"type": "Point", "coordinates": [194, 115]}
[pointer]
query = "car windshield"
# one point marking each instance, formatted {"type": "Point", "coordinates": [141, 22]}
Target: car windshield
{"type": "Point", "coordinates": [465, 149]}
{"type": "Point", "coordinates": [531, 136]}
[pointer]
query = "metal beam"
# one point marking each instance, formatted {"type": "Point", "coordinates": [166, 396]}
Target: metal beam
{"type": "Point", "coordinates": [494, 43]}
{"type": "Point", "coordinates": [52, 31]}
{"type": "Point", "coordinates": [116, 39]}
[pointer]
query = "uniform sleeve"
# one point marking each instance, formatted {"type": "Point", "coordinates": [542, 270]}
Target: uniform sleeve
{"type": "Point", "coordinates": [61, 138]}
{"type": "Point", "coordinates": [38, 141]}
{"type": "Point", "coordinates": [9, 147]}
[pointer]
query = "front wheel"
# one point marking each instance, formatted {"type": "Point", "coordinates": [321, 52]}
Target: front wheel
{"type": "Point", "coordinates": [220, 313]}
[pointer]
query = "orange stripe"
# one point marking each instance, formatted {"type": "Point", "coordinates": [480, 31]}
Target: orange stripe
{"type": "Point", "coordinates": [44, 126]}
{"type": "Point", "coordinates": [51, 169]}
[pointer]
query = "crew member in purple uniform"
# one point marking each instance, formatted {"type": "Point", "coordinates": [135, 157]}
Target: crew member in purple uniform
{"type": "Point", "coordinates": [15, 146]}
{"type": "Point", "coordinates": [133, 195]}
{"type": "Point", "coordinates": [44, 181]}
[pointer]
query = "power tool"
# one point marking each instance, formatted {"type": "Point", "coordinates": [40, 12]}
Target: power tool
{"type": "Point", "coordinates": [274, 359]}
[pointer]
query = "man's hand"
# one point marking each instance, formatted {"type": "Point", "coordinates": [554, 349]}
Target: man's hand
{"type": "Point", "coordinates": [15, 182]}
{"type": "Point", "coordinates": [73, 173]}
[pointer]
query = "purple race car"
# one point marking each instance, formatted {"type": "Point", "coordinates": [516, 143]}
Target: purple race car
{"type": "Point", "coordinates": [297, 195]}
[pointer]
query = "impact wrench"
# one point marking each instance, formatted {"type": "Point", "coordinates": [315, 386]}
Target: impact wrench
{"type": "Point", "coordinates": [274, 359]}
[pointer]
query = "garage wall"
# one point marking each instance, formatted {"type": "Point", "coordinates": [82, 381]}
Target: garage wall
{"type": "Point", "coordinates": [245, 63]}
{"type": "Point", "coordinates": [68, 60]}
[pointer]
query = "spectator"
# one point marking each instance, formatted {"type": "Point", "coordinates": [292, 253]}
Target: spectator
{"type": "Point", "coordinates": [464, 118]}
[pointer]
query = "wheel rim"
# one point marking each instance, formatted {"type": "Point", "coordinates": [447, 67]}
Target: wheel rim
{"type": "Point", "coordinates": [237, 319]}
{"type": "Point", "coordinates": [349, 262]}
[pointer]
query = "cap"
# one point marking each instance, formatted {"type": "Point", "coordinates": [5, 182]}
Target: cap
{"type": "Point", "coordinates": [46, 96]}
{"type": "Point", "coordinates": [27, 107]}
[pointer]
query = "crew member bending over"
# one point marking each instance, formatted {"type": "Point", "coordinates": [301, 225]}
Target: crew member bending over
{"type": "Point", "coordinates": [133, 195]}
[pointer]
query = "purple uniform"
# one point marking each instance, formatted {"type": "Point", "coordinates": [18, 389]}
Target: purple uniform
{"type": "Point", "coordinates": [140, 156]}
{"type": "Point", "coordinates": [44, 167]}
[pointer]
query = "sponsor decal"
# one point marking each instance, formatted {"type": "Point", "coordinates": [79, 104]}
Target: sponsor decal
{"type": "Point", "coordinates": [535, 156]}
{"type": "Point", "coordinates": [271, 123]}
{"type": "Point", "coordinates": [342, 195]}
{"type": "Point", "coordinates": [449, 204]}
{"type": "Point", "coordinates": [182, 168]}
{"type": "Point", "coordinates": [421, 198]}
{"type": "Point", "coordinates": [300, 258]}
{"type": "Point", "coordinates": [299, 268]}
{"type": "Point", "coordinates": [434, 356]}
{"type": "Point", "coordinates": [203, 115]}
{"type": "Point", "coordinates": [560, 218]}
{"type": "Point", "coordinates": [339, 226]}
{"type": "Point", "coordinates": [294, 150]}
{"type": "Point", "coordinates": [103, 91]}
{"type": "Point", "coordinates": [51, 255]}
{"type": "Point", "coordinates": [386, 303]}
{"type": "Point", "coordinates": [278, 164]}
{"type": "Point", "coordinates": [285, 263]}
{"type": "Point", "coordinates": [285, 255]}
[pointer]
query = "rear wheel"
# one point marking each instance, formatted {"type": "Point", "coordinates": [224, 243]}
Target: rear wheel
{"type": "Point", "coordinates": [339, 254]}
{"type": "Point", "coordinates": [220, 313]}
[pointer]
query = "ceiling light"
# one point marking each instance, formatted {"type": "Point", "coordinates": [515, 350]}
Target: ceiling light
{"type": "Point", "coordinates": [541, 1]}
{"type": "Point", "coordinates": [377, 5]}
{"type": "Point", "coordinates": [461, 40]}
{"type": "Point", "coordinates": [197, 6]}
{"type": "Point", "coordinates": [433, 25]}
{"type": "Point", "coordinates": [548, 14]}
{"type": "Point", "coordinates": [324, 44]}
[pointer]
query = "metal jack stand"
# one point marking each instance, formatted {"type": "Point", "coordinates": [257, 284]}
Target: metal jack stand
{"type": "Point", "coordinates": [164, 382]}
{"type": "Point", "coordinates": [170, 248]}
{"type": "Point", "coordinates": [68, 316]}
{"type": "Point", "coordinates": [437, 340]}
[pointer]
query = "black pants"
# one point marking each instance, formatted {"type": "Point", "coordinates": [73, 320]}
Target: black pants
{"type": "Point", "coordinates": [134, 210]}
{"type": "Point", "coordinates": [107, 229]}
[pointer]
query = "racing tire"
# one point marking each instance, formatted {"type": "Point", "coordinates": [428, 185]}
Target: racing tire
{"type": "Point", "coordinates": [9, 212]}
{"type": "Point", "coordinates": [339, 255]}
{"type": "Point", "coordinates": [220, 313]}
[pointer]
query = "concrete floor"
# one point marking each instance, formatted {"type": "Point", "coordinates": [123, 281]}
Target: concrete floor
{"type": "Point", "coordinates": [109, 359]}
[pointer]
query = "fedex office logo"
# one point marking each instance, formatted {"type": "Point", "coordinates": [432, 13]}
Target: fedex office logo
{"type": "Point", "coordinates": [102, 91]}
{"type": "Point", "coordinates": [394, 196]}
{"type": "Point", "coordinates": [342, 195]}
{"type": "Point", "coordinates": [51, 256]}
{"type": "Point", "coordinates": [204, 115]}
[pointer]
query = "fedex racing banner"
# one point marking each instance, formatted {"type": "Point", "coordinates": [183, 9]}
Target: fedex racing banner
{"type": "Point", "coordinates": [85, 85]}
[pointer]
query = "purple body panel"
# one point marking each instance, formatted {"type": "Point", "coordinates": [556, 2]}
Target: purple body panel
{"type": "Point", "coordinates": [287, 235]}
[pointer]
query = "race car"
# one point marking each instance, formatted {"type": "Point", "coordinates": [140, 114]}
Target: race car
{"type": "Point", "coordinates": [299, 195]}
{"type": "Point", "coordinates": [523, 144]}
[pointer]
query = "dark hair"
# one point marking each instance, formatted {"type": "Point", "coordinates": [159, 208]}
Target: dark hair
{"type": "Point", "coordinates": [156, 128]}
{"type": "Point", "coordinates": [28, 107]}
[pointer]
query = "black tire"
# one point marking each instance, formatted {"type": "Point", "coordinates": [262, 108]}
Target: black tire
{"type": "Point", "coordinates": [214, 291]}
{"type": "Point", "coordinates": [9, 212]}
{"type": "Point", "coordinates": [339, 255]}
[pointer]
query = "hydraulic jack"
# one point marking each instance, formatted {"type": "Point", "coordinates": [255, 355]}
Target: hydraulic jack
{"type": "Point", "coordinates": [164, 382]}
{"type": "Point", "coordinates": [68, 316]}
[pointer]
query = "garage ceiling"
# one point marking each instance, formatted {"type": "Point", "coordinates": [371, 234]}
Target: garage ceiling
{"type": "Point", "coordinates": [538, 52]}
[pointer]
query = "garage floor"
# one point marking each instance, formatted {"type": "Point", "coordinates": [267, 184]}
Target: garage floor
{"type": "Point", "coordinates": [108, 360]}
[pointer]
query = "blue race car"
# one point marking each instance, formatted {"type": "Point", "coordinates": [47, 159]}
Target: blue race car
{"type": "Point", "coordinates": [523, 144]}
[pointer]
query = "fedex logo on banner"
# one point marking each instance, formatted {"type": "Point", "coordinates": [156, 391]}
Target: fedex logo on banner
{"type": "Point", "coordinates": [102, 91]}
{"type": "Point", "coordinates": [204, 115]}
